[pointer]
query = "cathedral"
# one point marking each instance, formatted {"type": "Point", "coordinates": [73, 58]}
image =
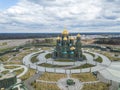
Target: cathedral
{"type": "Point", "coordinates": [67, 47]}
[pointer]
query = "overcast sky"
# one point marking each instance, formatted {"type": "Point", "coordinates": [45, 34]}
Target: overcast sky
{"type": "Point", "coordinates": [33, 16]}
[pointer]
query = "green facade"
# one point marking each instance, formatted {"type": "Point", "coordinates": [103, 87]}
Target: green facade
{"type": "Point", "coordinates": [67, 47]}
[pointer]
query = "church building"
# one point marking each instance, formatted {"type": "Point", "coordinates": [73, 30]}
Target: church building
{"type": "Point", "coordinates": [68, 47]}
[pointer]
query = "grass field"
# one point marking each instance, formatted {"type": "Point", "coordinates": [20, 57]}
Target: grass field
{"type": "Point", "coordinates": [64, 60]}
{"type": "Point", "coordinates": [45, 86]}
{"type": "Point", "coordinates": [52, 66]}
{"type": "Point", "coordinates": [10, 67]}
{"type": "Point", "coordinates": [52, 76]}
{"type": "Point", "coordinates": [84, 77]}
{"type": "Point", "coordinates": [110, 56]}
{"type": "Point", "coordinates": [96, 86]}
{"type": "Point", "coordinates": [98, 59]}
{"type": "Point", "coordinates": [17, 72]}
{"type": "Point", "coordinates": [49, 55]}
{"type": "Point", "coordinates": [30, 73]}
{"type": "Point", "coordinates": [34, 59]}
{"type": "Point", "coordinates": [83, 66]}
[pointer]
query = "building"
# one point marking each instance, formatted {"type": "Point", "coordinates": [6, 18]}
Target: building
{"type": "Point", "coordinates": [68, 47]}
{"type": "Point", "coordinates": [7, 80]}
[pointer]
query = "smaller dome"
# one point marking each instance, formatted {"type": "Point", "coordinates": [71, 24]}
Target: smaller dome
{"type": "Point", "coordinates": [78, 35]}
{"type": "Point", "coordinates": [71, 38]}
{"type": "Point", "coordinates": [58, 38]}
{"type": "Point", "coordinates": [65, 32]}
{"type": "Point", "coordinates": [72, 48]}
{"type": "Point", "coordinates": [65, 38]}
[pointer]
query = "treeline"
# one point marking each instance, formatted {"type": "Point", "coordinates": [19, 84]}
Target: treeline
{"type": "Point", "coordinates": [4, 36]}
{"type": "Point", "coordinates": [111, 41]}
{"type": "Point", "coordinates": [40, 41]}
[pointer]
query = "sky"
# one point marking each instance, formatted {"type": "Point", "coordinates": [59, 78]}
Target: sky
{"type": "Point", "coordinates": [38, 16]}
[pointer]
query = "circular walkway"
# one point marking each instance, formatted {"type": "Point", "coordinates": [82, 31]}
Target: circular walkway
{"type": "Point", "coordinates": [110, 70]}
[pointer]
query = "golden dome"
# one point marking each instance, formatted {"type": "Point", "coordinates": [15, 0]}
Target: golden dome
{"type": "Point", "coordinates": [65, 32]}
{"type": "Point", "coordinates": [58, 38]}
{"type": "Point", "coordinates": [71, 38]}
{"type": "Point", "coordinates": [72, 48]}
{"type": "Point", "coordinates": [78, 35]}
{"type": "Point", "coordinates": [65, 38]}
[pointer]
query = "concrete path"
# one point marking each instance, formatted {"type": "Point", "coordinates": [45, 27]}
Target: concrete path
{"type": "Point", "coordinates": [18, 68]}
{"type": "Point", "coordinates": [62, 84]}
{"type": "Point", "coordinates": [32, 79]}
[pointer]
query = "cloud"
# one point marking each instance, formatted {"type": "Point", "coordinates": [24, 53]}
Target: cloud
{"type": "Point", "coordinates": [53, 15]}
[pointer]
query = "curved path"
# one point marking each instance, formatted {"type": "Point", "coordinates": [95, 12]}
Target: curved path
{"type": "Point", "coordinates": [14, 69]}
{"type": "Point", "coordinates": [110, 70]}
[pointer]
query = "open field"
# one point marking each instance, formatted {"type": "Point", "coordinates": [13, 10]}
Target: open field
{"type": "Point", "coordinates": [30, 73]}
{"type": "Point", "coordinates": [12, 43]}
{"type": "Point", "coordinates": [45, 86]}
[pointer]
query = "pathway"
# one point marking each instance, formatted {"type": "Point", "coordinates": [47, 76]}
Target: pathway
{"type": "Point", "coordinates": [32, 79]}
{"type": "Point", "coordinates": [109, 70]}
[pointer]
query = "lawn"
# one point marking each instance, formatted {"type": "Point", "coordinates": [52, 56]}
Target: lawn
{"type": "Point", "coordinates": [110, 56]}
{"type": "Point", "coordinates": [30, 73]}
{"type": "Point", "coordinates": [84, 77]}
{"type": "Point", "coordinates": [52, 76]}
{"type": "Point", "coordinates": [49, 55]}
{"type": "Point", "coordinates": [10, 67]}
{"type": "Point", "coordinates": [98, 59]}
{"type": "Point", "coordinates": [52, 66]}
{"type": "Point", "coordinates": [45, 86]}
{"type": "Point", "coordinates": [5, 72]}
{"type": "Point", "coordinates": [96, 86]}
{"type": "Point", "coordinates": [17, 72]}
{"type": "Point", "coordinates": [87, 65]}
{"type": "Point", "coordinates": [64, 60]}
{"type": "Point", "coordinates": [34, 59]}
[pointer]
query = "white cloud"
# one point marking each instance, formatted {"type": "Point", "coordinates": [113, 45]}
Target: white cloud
{"type": "Point", "coordinates": [53, 15]}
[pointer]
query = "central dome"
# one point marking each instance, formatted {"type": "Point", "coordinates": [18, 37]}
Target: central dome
{"type": "Point", "coordinates": [65, 32]}
{"type": "Point", "coordinates": [65, 38]}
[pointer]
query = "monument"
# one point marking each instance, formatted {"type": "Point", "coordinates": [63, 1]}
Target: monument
{"type": "Point", "coordinates": [68, 47]}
